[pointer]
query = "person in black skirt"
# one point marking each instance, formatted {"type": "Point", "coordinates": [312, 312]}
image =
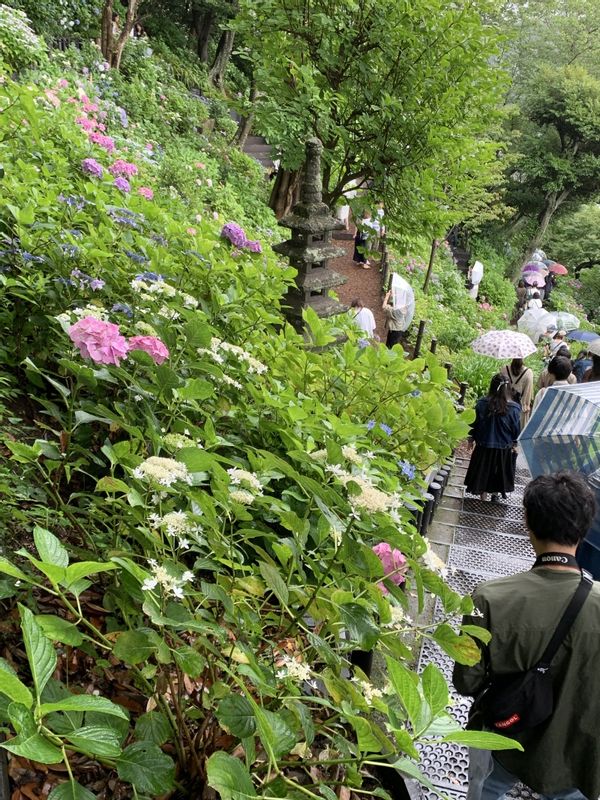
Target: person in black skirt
{"type": "Point", "coordinates": [495, 432]}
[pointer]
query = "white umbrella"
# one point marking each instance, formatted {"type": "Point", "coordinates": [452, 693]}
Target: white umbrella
{"type": "Point", "coordinates": [565, 321]}
{"type": "Point", "coordinates": [504, 344]}
{"type": "Point", "coordinates": [538, 255]}
{"type": "Point", "coordinates": [535, 322]}
{"type": "Point", "coordinates": [403, 300]}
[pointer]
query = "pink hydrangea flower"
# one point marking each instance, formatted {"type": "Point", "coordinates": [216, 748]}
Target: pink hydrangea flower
{"type": "Point", "coordinates": [191, 231]}
{"type": "Point", "coordinates": [62, 83]}
{"type": "Point", "coordinates": [149, 146]}
{"type": "Point", "coordinates": [52, 97]}
{"type": "Point", "coordinates": [88, 125]}
{"type": "Point", "coordinates": [99, 340]}
{"type": "Point", "coordinates": [151, 345]}
{"type": "Point", "coordinates": [106, 142]}
{"type": "Point", "coordinates": [393, 563]}
{"type": "Point", "coordinates": [146, 192]}
{"type": "Point", "coordinates": [121, 167]}
{"type": "Point", "coordinates": [122, 184]}
{"type": "Point", "coordinates": [200, 165]}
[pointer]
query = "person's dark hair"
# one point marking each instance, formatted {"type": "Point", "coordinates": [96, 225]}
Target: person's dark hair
{"type": "Point", "coordinates": [558, 335]}
{"type": "Point", "coordinates": [564, 351]}
{"type": "Point", "coordinates": [516, 365]}
{"type": "Point", "coordinates": [356, 303]}
{"type": "Point", "coordinates": [583, 354]}
{"type": "Point", "coordinates": [595, 373]}
{"type": "Point", "coordinates": [115, 16]}
{"type": "Point", "coordinates": [536, 295]}
{"type": "Point", "coordinates": [559, 507]}
{"type": "Point", "coordinates": [521, 284]}
{"type": "Point", "coordinates": [499, 394]}
{"type": "Point", "coordinates": [560, 367]}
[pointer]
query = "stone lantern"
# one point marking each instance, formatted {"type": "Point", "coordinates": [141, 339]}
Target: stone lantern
{"type": "Point", "coordinates": [310, 247]}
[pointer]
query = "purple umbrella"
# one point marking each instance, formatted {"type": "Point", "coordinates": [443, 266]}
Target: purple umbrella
{"type": "Point", "coordinates": [535, 280]}
{"type": "Point", "coordinates": [534, 266]}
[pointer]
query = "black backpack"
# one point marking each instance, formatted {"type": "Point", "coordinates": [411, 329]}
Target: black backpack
{"type": "Point", "coordinates": [513, 703]}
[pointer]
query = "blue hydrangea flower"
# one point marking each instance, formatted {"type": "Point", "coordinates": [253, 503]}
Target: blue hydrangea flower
{"type": "Point", "coordinates": [416, 393]}
{"type": "Point", "coordinates": [137, 257]}
{"type": "Point", "coordinates": [149, 276]}
{"type": "Point", "coordinates": [123, 308]}
{"type": "Point", "coordinates": [407, 469]}
{"type": "Point", "coordinates": [385, 428]}
{"type": "Point", "coordinates": [70, 250]}
{"type": "Point", "coordinates": [370, 424]}
{"type": "Point", "coordinates": [30, 258]}
{"type": "Point", "coordinates": [362, 343]}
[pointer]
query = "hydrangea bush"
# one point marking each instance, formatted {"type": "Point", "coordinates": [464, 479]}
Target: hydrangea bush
{"type": "Point", "coordinates": [20, 47]}
{"type": "Point", "coordinates": [219, 508]}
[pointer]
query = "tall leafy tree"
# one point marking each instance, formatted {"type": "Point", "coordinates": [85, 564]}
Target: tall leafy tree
{"type": "Point", "coordinates": [403, 97]}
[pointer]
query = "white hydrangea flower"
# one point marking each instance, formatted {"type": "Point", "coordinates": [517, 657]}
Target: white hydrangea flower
{"type": "Point", "coordinates": [368, 691]}
{"type": "Point", "coordinates": [242, 496]}
{"type": "Point", "coordinates": [351, 454]}
{"type": "Point", "coordinates": [433, 562]}
{"type": "Point", "coordinates": [290, 668]}
{"type": "Point", "coordinates": [319, 455]}
{"type": "Point", "coordinates": [161, 577]}
{"type": "Point", "coordinates": [238, 476]}
{"type": "Point", "coordinates": [165, 471]}
{"type": "Point", "coordinates": [231, 382]}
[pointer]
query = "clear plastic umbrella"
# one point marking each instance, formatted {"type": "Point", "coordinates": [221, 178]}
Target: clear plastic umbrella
{"type": "Point", "coordinates": [565, 321]}
{"type": "Point", "coordinates": [403, 299]}
{"type": "Point", "coordinates": [538, 255]}
{"type": "Point", "coordinates": [535, 322]}
{"type": "Point", "coordinates": [563, 433]}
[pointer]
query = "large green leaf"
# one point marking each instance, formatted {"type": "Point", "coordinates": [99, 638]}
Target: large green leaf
{"type": "Point", "coordinates": [12, 687]}
{"type": "Point", "coordinates": [274, 582]}
{"type": "Point", "coordinates": [461, 648]}
{"type": "Point", "coordinates": [59, 629]}
{"type": "Point", "coordinates": [84, 702]}
{"type": "Point", "coordinates": [49, 547]}
{"type": "Point", "coordinates": [190, 661]}
{"type": "Point", "coordinates": [228, 776]}
{"type": "Point", "coordinates": [144, 765]}
{"type": "Point", "coordinates": [360, 625]}
{"type": "Point", "coordinates": [94, 739]}
{"type": "Point", "coordinates": [8, 568]}
{"type": "Point", "coordinates": [405, 685]}
{"type": "Point", "coordinates": [40, 651]}
{"type": "Point", "coordinates": [236, 714]}
{"type": "Point", "coordinates": [84, 569]}
{"type": "Point", "coordinates": [35, 747]}
{"type": "Point", "coordinates": [275, 733]}
{"type": "Point", "coordinates": [435, 689]}
{"type": "Point", "coordinates": [153, 727]}
{"type": "Point", "coordinates": [70, 791]}
{"type": "Point", "coordinates": [133, 647]}
{"type": "Point", "coordinates": [483, 740]}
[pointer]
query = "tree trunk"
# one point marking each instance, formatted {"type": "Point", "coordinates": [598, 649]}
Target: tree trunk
{"type": "Point", "coordinates": [247, 121]}
{"type": "Point", "coordinates": [219, 67]}
{"type": "Point", "coordinates": [553, 203]}
{"type": "Point", "coordinates": [106, 37]}
{"type": "Point", "coordinates": [285, 192]}
{"type": "Point", "coordinates": [202, 24]}
{"type": "Point", "coordinates": [112, 49]}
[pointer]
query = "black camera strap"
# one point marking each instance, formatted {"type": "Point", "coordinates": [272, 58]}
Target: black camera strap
{"type": "Point", "coordinates": [556, 560]}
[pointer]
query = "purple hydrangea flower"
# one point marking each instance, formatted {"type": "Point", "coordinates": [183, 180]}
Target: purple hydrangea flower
{"type": "Point", "coordinates": [362, 343]}
{"type": "Point", "coordinates": [30, 258]}
{"type": "Point", "coordinates": [149, 276]}
{"type": "Point", "coordinates": [123, 117]}
{"type": "Point", "coordinates": [137, 257]}
{"type": "Point", "coordinates": [254, 246]}
{"type": "Point", "coordinates": [370, 424]}
{"type": "Point", "coordinates": [122, 184]}
{"type": "Point", "coordinates": [123, 308]}
{"type": "Point", "coordinates": [415, 393]}
{"type": "Point", "coordinates": [96, 283]}
{"type": "Point", "coordinates": [91, 167]}
{"type": "Point", "coordinates": [234, 233]}
{"type": "Point", "coordinates": [70, 250]}
{"type": "Point", "coordinates": [407, 469]}
{"type": "Point", "coordinates": [385, 428]}
{"type": "Point", "coordinates": [73, 201]}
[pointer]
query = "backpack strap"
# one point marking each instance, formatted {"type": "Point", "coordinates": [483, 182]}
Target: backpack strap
{"type": "Point", "coordinates": [566, 621]}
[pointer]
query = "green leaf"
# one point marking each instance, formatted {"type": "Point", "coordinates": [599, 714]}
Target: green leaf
{"type": "Point", "coordinates": [110, 485]}
{"type": "Point", "coordinates": [34, 746]}
{"type": "Point", "coordinates": [360, 625]}
{"type": "Point", "coordinates": [196, 389]}
{"type": "Point", "coordinates": [59, 629]}
{"type": "Point", "coordinates": [84, 702]}
{"type": "Point", "coordinates": [70, 791]}
{"type": "Point", "coordinates": [228, 776]}
{"type": "Point", "coordinates": [435, 689]}
{"type": "Point", "coordinates": [405, 685]}
{"type": "Point", "coordinates": [9, 569]}
{"type": "Point", "coordinates": [477, 632]}
{"type": "Point", "coordinates": [275, 582]}
{"type": "Point", "coordinates": [366, 734]}
{"type": "Point", "coordinates": [13, 687]}
{"type": "Point", "coordinates": [49, 547]}
{"type": "Point", "coordinates": [483, 740]}
{"type": "Point", "coordinates": [97, 740]}
{"type": "Point", "coordinates": [153, 727]}
{"type": "Point", "coordinates": [144, 765]}
{"type": "Point", "coordinates": [406, 767]}
{"type": "Point", "coordinates": [460, 648]}
{"type": "Point", "coordinates": [40, 652]}
{"type": "Point", "coordinates": [196, 459]}
{"type": "Point", "coordinates": [84, 569]}
{"type": "Point", "coordinates": [275, 732]}
{"type": "Point", "coordinates": [133, 647]}
{"type": "Point", "coordinates": [236, 714]}
{"type": "Point", "coordinates": [190, 661]}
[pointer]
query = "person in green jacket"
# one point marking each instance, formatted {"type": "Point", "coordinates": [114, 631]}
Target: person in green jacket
{"type": "Point", "coordinates": [561, 757]}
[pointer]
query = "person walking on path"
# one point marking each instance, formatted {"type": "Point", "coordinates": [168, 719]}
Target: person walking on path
{"type": "Point", "coordinates": [581, 365]}
{"type": "Point", "coordinates": [561, 756]}
{"type": "Point", "coordinates": [593, 372]}
{"type": "Point", "coordinates": [363, 317]}
{"type": "Point", "coordinates": [535, 302]}
{"type": "Point", "coordinates": [395, 320]}
{"type": "Point", "coordinates": [547, 376]}
{"type": "Point", "coordinates": [560, 370]}
{"type": "Point", "coordinates": [520, 378]}
{"type": "Point", "coordinates": [495, 432]}
{"type": "Point", "coordinates": [366, 229]}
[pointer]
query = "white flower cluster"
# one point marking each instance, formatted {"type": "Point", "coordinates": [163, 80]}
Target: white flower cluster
{"type": "Point", "coordinates": [399, 619]}
{"type": "Point", "coordinates": [370, 498]}
{"type": "Point", "coordinates": [176, 524]}
{"type": "Point", "coordinates": [149, 289]}
{"type": "Point", "coordinates": [319, 455]}
{"type": "Point", "coordinates": [91, 310]}
{"type": "Point", "coordinates": [231, 382]}
{"type": "Point", "coordinates": [170, 584]}
{"type": "Point", "coordinates": [177, 441]}
{"type": "Point", "coordinates": [242, 496]}
{"type": "Point", "coordinates": [238, 476]}
{"type": "Point", "coordinates": [165, 471]}
{"type": "Point", "coordinates": [433, 562]}
{"type": "Point", "coordinates": [291, 668]}
{"type": "Point", "coordinates": [367, 689]}
{"type": "Point", "coordinates": [146, 329]}
{"type": "Point", "coordinates": [351, 454]}
{"type": "Point", "coordinates": [218, 347]}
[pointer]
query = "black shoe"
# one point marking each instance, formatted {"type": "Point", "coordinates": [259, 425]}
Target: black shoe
{"type": "Point", "coordinates": [495, 498]}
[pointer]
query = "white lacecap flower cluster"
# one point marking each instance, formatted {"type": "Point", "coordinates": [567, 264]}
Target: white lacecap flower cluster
{"type": "Point", "coordinates": [433, 562]}
{"type": "Point", "coordinates": [369, 692]}
{"type": "Point", "coordinates": [319, 455]}
{"type": "Point", "coordinates": [399, 619]}
{"type": "Point", "coordinates": [165, 471]}
{"type": "Point", "coordinates": [162, 578]}
{"type": "Point", "coordinates": [241, 478]}
{"type": "Point", "coordinates": [289, 667]}
{"type": "Point", "coordinates": [177, 441]}
{"type": "Point", "coordinates": [176, 524]}
{"type": "Point", "coordinates": [370, 498]}
{"type": "Point", "coordinates": [218, 347]}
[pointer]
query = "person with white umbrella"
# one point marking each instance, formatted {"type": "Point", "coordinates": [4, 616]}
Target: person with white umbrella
{"type": "Point", "coordinates": [399, 314]}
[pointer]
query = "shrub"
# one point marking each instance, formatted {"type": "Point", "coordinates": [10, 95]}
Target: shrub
{"type": "Point", "coordinates": [19, 45]}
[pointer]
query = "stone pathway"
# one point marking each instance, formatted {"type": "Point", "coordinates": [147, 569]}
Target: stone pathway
{"type": "Point", "coordinates": [478, 541]}
{"type": "Point", "coordinates": [364, 284]}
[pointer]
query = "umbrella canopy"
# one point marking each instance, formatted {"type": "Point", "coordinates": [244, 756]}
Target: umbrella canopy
{"type": "Point", "coordinates": [564, 434]}
{"type": "Point", "coordinates": [403, 299]}
{"type": "Point", "coordinates": [548, 262]}
{"type": "Point", "coordinates": [538, 255]}
{"type": "Point", "coordinates": [565, 321]}
{"type": "Point", "coordinates": [534, 266]}
{"type": "Point", "coordinates": [535, 322]}
{"type": "Point", "coordinates": [558, 269]}
{"type": "Point", "coordinates": [594, 347]}
{"type": "Point", "coordinates": [504, 344]}
{"type": "Point", "coordinates": [582, 336]}
{"type": "Point", "coordinates": [535, 279]}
